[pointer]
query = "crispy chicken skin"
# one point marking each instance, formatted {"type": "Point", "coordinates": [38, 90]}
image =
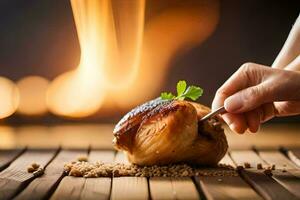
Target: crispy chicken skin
{"type": "Point", "coordinates": [162, 132]}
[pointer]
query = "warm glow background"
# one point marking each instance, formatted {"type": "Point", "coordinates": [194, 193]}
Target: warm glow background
{"type": "Point", "coordinates": [123, 60]}
{"type": "Point", "coordinates": [95, 59]}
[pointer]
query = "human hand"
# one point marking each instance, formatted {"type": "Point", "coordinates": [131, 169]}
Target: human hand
{"type": "Point", "coordinates": [255, 94]}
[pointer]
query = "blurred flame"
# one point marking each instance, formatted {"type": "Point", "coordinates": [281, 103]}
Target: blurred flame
{"type": "Point", "coordinates": [123, 59]}
{"type": "Point", "coordinates": [32, 91]}
{"type": "Point", "coordinates": [80, 93]}
{"type": "Point", "coordinates": [9, 97]}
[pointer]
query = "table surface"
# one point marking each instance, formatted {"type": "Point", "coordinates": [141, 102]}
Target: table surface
{"type": "Point", "coordinates": [52, 146]}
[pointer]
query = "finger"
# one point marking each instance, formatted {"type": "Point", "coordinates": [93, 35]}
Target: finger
{"type": "Point", "coordinates": [248, 99]}
{"type": "Point", "coordinates": [253, 119]}
{"type": "Point", "coordinates": [236, 122]}
{"type": "Point", "coordinates": [287, 108]}
{"type": "Point", "coordinates": [247, 75]}
{"type": "Point", "coordinates": [268, 112]}
{"type": "Point", "coordinates": [291, 48]}
{"type": "Point", "coordinates": [294, 65]}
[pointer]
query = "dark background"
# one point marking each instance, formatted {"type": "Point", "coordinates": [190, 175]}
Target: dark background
{"type": "Point", "coordinates": [39, 38]}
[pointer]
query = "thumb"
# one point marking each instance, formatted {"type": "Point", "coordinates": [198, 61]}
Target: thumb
{"type": "Point", "coordinates": [248, 99]}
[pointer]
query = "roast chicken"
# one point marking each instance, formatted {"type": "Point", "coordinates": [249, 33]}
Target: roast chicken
{"type": "Point", "coordinates": [162, 132]}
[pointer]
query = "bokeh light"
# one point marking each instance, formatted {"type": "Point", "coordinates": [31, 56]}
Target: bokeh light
{"type": "Point", "coordinates": [32, 90]}
{"type": "Point", "coordinates": [9, 95]}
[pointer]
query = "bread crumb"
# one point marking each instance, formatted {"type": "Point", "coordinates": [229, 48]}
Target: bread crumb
{"type": "Point", "coordinates": [30, 169]}
{"type": "Point", "coordinates": [247, 165]}
{"type": "Point", "coordinates": [35, 169]}
{"type": "Point", "coordinates": [239, 167]}
{"type": "Point", "coordinates": [268, 172]}
{"type": "Point", "coordinates": [35, 165]}
{"type": "Point", "coordinates": [259, 166]}
{"type": "Point", "coordinates": [99, 169]}
{"type": "Point", "coordinates": [82, 158]}
{"type": "Point", "coordinates": [273, 167]}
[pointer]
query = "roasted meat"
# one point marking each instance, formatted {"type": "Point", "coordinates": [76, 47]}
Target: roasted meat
{"type": "Point", "coordinates": [162, 132]}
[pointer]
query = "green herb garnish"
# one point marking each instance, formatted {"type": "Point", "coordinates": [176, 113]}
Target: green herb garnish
{"type": "Point", "coordinates": [192, 92]}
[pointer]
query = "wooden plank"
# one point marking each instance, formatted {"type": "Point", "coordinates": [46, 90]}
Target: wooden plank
{"type": "Point", "coordinates": [43, 186]}
{"type": "Point", "coordinates": [15, 177]}
{"type": "Point", "coordinates": [226, 187]}
{"type": "Point", "coordinates": [70, 187]}
{"type": "Point", "coordinates": [231, 187]}
{"type": "Point", "coordinates": [286, 173]}
{"type": "Point", "coordinates": [184, 188]}
{"type": "Point", "coordinates": [98, 188]}
{"type": "Point", "coordinates": [106, 156]}
{"type": "Point", "coordinates": [128, 187]}
{"type": "Point", "coordinates": [265, 185]}
{"type": "Point", "coordinates": [172, 188]}
{"type": "Point", "coordinates": [277, 158]}
{"type": "Point", "coordinates": [7, 156]}
{"type": "Point", "coordinates": [161, 188]}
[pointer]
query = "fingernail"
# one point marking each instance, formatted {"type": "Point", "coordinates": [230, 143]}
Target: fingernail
{"type": "Point", "coordinates": [233, 104]}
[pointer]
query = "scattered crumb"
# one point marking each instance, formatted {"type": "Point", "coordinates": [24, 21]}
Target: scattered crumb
{"type": "Point", "coordinates": [82, 158]}
{"type": "Point", "coordinates": [273, 167]}
{"type": "Point", "coordinates": [268, 172]}
{"type": "Point", "coordinates": [99, 169]}
{"type": "Point", "coordinates": [35, 165]}
{"type": "Point", "coordinates": [259, 166]}
{"type": "Point", "coordinates": [219, 180]}
{"type": "Point", "coordinates": [35, 169]}
{"type": "Point", "coordinates": [30, 169]}
{"type": "Point", "coordinates": [247, 165]}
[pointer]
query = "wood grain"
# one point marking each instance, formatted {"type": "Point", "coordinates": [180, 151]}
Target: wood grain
{"type": "Point", "coordinates": [286, 173]}
{"type": "Point", "coordinates": [233, 187]}
{"type": "Point", "coordinates": [226, 187]}
{"type": "Point", "coordinates": [266, 186]}
{"type": "Point", "coordinates": [161, 188]}
{"type": "Point", "coordinates": [15, 177]}
{"type": "Point", "coordinates": [172, 188]}
{"type": "Point", "coordinates": [98, 188]}
{"type": "Point", "coordinates": [7, 156]}
{"type": "Point", "coordinates": [294, 155]}
{"type": "Point", "coordinates": [69, 187]}
{"type": "Point", "coordinates": [128, 187]}
{"type": "Point", "coordinates": [43, 186]}
{"type": "Point", "coordinates": [106, 156]}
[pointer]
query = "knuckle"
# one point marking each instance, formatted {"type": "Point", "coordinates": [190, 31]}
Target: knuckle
{"type": "Point", "coordinates": [246, 66]}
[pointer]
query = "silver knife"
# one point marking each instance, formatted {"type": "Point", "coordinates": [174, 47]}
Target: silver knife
{"type": "Point", "coordinates": [213, 113]}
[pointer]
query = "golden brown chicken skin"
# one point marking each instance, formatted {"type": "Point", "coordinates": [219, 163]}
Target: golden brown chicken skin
{"type": "Point", "coordinates": [162, 132]}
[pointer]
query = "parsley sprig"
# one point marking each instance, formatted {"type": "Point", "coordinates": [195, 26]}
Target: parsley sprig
{"type": "Point", "coordinates": [192, 92]}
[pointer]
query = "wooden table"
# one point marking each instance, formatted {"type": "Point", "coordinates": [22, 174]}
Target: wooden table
{"type": "Point", "coordinates": [51, 147]}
